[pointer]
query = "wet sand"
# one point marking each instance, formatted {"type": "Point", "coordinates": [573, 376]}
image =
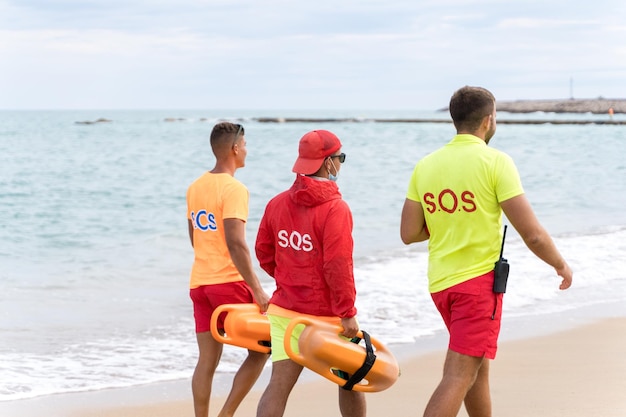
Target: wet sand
{"type": "Point", "coordinates": [569, 364]}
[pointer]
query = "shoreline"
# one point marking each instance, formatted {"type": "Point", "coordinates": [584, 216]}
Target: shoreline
{"type": "Point", "coordinates": [420, 363]}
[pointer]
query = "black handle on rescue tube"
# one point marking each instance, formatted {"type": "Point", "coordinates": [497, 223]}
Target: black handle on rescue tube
{"type": "Point", "coordinates": [321, 349]}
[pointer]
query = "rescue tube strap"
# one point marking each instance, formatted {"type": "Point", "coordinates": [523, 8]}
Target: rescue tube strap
{"type": "Point", "coordinates": [370, 358]}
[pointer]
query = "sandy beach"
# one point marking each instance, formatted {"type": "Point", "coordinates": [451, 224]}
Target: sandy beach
{"type": "Point", "coordinates": [569, 364]}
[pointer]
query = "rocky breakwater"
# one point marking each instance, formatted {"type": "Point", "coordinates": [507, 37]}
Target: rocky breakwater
{"type": "Point", "coordinates": [90, 122]}
{"type": "Point", "coordinates": [595, 106]}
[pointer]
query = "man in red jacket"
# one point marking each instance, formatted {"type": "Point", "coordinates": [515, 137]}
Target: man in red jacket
{"type": "Point", "coordinates": [305, 243]}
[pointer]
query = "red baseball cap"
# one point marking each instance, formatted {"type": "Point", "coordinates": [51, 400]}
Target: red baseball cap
{"type": "Point", "coordinates": [314, 147]}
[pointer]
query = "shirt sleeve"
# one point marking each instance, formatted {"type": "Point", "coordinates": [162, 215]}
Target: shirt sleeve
{"type": "Point", "coordinates": [338, 261]}
{"type": "Point", "coordinates": [265, 247]}
{"type": "Point", "coordinates": [235, 202]}
{"type": "Point", "coordinates": [508, 183]}
{"type": "Point", "coordinates": [412, 193]}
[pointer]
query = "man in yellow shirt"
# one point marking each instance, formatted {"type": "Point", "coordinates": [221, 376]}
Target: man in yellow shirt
{"type": "Point", "coordinates": [222, 272]}
{"type": "Point", "coordinates": [455, 200]}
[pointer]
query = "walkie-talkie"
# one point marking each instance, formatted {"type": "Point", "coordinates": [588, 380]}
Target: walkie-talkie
{"type": "Point", "coordinates": [501, 270]}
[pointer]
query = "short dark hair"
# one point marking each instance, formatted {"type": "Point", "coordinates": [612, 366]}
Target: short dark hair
{"type": "Point", "coordinates": [469, 105]}
{"type": "Point", "coordinates": [223, 132]}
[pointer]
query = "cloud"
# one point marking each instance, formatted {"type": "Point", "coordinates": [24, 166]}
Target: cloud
{"type": "Point", "coordinates": [279, 53]}
{"type": "Point", "coordinates": [530, 23]}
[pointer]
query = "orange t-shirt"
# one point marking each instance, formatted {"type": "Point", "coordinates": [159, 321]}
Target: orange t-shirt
{"type": "Point", "coordinates": [211, 199]}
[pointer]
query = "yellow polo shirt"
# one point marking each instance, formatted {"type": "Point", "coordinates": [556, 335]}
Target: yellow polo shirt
{"type": "Point", "coordinates": [460, 187]}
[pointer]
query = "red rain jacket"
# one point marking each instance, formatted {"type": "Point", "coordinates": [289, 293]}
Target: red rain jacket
{"type": "Point", "coordinates": [305, 243]}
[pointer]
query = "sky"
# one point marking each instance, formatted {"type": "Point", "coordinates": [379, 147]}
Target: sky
{"type": "Point", "coordinates": [319, 54]}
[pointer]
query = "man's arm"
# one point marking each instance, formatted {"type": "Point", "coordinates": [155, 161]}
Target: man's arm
{"type": "Point", "coordinates": [522, 217]}
{"type": "Point", "coordinates": [412, 223]}
{"type": "Point", "coordinates": [234, 230]}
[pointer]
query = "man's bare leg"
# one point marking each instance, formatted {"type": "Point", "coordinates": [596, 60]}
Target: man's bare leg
{"type": "Point", "coordinates": [244, 380]}
{"type": "Point", "coordinates": [209, 355]}
{"type": "Point", "coordinates": [478, 398]}
{"type": "Point", "coordinates": [459, 373]}
{"type": "Point", "coordinates": [352, 403]}
{"type": "Point", "coordinates": [274, 400]}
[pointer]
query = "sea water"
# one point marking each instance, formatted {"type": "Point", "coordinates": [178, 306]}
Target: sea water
{"type": "Point", "coordinates": [95, 256]}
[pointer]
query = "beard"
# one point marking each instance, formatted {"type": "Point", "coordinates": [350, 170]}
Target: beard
{"type": "Point", "coordinates": [490, 132]}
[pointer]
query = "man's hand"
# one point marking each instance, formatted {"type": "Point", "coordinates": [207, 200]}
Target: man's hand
{"type": "Point", "coordinates": [262, 299]}
{"type": "Point", "coordinates": [350, 327]}
{"type": "Point", "coordinates": [566, 273]}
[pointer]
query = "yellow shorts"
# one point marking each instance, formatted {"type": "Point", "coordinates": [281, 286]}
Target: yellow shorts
{"type": "Point", "coordinates": [279, 318]}
{"type": "Point", "coordinates": [278, 325]}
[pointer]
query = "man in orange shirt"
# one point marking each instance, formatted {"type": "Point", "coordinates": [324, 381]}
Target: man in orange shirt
{"type": "Point", "coordinates": [222, 272]}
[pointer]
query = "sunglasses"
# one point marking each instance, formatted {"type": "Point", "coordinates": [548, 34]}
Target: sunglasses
{"type": "Point", "coordinates": [237, 134]}
{"type": "Point", "coordinates": [341, 156]}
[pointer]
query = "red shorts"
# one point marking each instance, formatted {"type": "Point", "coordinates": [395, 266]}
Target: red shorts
{"type": "Point", "coordinates": [207, 298]}
{"type": "Point", "coordinates": [472, 313]}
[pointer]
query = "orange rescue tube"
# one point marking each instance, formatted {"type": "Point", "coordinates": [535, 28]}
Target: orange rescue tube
{"type": "Point", "coordinates": [322, 350]}
{"type": "Point", "coordinates": [244, 326]}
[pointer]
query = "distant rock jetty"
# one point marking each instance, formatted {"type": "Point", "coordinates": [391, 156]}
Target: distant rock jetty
{"type": "Point", "coordinates": [501, 120]}
{"type": "Point", "coordinates": [594, 106]}
{"type": "Point", "coordinates": [600, 106]}
{"type": "Point", "coordinates": [90, 122]}
{"type": "Point", "coordinates": [182, 119]}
